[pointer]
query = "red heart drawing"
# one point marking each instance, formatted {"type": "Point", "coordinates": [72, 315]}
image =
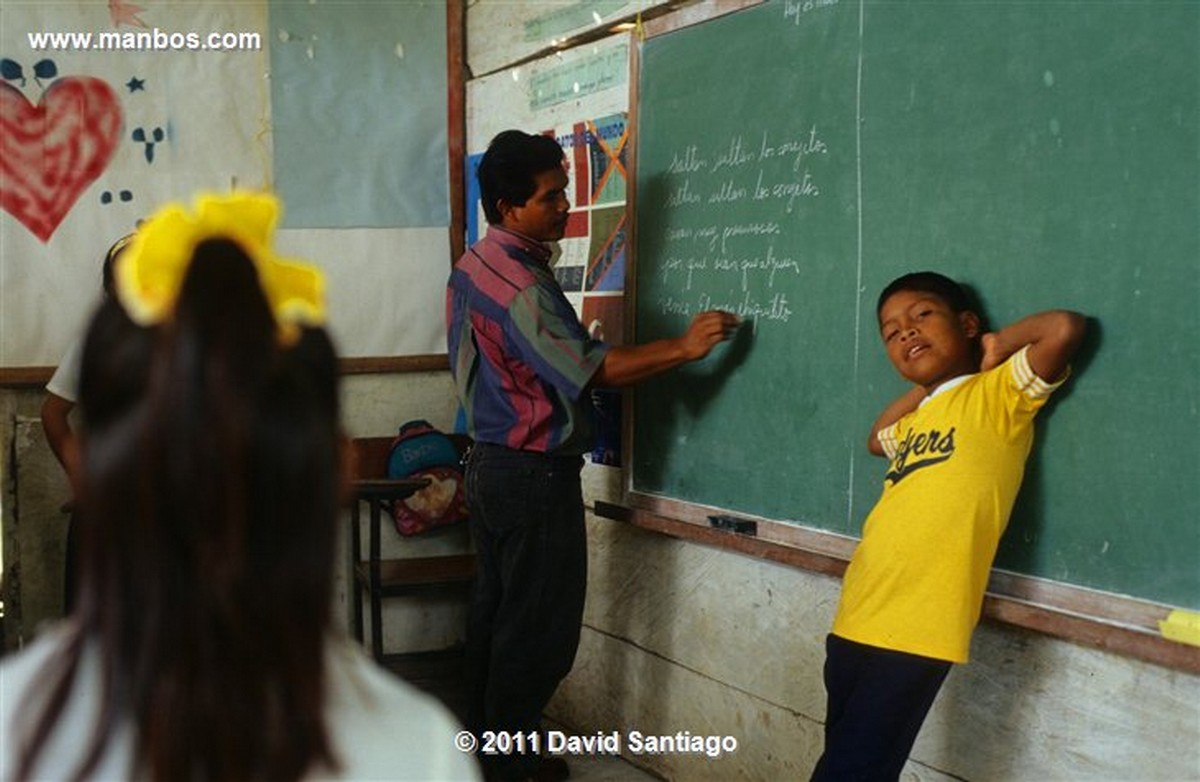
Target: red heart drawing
{"type": "Point", "coordinates": [54, 150]}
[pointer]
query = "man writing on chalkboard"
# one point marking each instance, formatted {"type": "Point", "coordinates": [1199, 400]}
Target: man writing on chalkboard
{"type": "Point", "coordinates": [521, 362]}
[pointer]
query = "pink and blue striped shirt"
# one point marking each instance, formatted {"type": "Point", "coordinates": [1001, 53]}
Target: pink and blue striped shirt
{"type": "Point", "coordinates": [519, 356]}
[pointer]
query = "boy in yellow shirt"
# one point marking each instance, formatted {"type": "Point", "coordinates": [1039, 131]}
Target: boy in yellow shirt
{"type": "Point", "coordinates": [957, 444]}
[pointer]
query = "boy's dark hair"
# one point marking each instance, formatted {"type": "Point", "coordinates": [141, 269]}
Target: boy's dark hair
{"type": "Point", "coordinates": [509, 166]}
{"type": "Point", "coordinates": [956, 296]}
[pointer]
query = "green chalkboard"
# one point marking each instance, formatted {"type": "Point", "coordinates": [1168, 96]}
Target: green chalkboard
{"type": "Point", "coordinates": [794, 157]}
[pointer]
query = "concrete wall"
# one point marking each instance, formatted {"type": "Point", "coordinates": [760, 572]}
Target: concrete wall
{"type": "Point", "coordinates": [32, 530]}
{"type": "Point", "coordinates": [683, 637]}
{"type": "Point", "coordinates": [40, 543]}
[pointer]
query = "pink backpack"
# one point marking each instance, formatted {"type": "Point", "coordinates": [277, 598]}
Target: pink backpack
{"type": "Point", "coordinates": [421, 451]}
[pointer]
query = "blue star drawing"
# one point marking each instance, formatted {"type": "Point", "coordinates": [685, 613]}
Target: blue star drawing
{"type": "Point", "coordinates": [134, 84]}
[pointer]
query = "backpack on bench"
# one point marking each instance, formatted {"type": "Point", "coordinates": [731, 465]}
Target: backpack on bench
{"type": "Point", "coordinates": [422, 451]}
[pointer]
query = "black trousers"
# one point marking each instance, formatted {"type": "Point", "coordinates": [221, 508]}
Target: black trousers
{"type": "Point", "coordinates": [527, 603]}
{"type": "Point", "coordinates": [877, 701]}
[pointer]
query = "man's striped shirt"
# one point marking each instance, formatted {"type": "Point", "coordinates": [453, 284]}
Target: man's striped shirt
{"type": "Point", "coordinates": [518, 353]}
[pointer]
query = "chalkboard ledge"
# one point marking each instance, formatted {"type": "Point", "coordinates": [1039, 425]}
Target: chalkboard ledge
{"type": "Point", "coordinates": [1114, 623]}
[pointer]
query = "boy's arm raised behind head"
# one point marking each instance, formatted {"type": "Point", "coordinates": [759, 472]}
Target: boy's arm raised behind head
{"type": "Point", "coordinates": [893, 413]}
{"type": "Point", "coordinates": [1052, 337]}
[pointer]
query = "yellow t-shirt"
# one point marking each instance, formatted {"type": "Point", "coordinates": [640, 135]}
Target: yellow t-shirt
{"type": "Point", "coordinates": [916, 581]}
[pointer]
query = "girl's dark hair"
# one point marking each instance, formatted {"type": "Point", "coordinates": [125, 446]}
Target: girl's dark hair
{"type": "Point", "coordinates": [107, 272]}
{"type": "Point", "coordinates": [509, 166]}
{"type": "Point", "coordinates": [956, 296]}
{"type": "Point", "coordinates": [114, 365]}
{"type": "Point", "coordinates": [209, 502]}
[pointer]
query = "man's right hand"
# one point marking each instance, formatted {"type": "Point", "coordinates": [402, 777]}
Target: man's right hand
{"type": "Point", "coordinates": [628, 364]}
{"type": "Point", "coordinates": [706, 330]}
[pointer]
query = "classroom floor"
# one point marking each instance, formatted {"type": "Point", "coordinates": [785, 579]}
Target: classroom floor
{"type": "Point", "coordinates": [439, 675]}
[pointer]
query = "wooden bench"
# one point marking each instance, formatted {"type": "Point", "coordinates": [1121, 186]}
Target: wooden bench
{"type": "Point", "coordinates": [380, 578]}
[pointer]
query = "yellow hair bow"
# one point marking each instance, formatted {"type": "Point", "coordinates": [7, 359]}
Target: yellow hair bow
{"type": "Point", "coordinates": [150, 272]}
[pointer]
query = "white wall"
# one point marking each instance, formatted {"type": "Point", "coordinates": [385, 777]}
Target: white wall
{"type": "Point", "coordinates": [501, 32]}
{"type": "Point", "coordinates": [214, 112]}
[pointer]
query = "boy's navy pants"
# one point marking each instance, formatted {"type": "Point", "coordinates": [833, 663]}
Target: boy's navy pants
{"type": "Point", "coordinates": [877, 700]}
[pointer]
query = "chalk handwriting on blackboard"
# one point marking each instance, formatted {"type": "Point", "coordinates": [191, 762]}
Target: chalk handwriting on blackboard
{"type": "Point", "coordinates": [748, 269]}
{"type": "Point", "coordinates": [794, 9]}
{"type": "Point", "coordinates": [797, 148]}
{"type": "Point", "coordinates": [770, 181]}
{"type": "Point", "coordinates": [687, 162]}
{"type": "Point", "coordinates": [789, 190]}
{"type": "Point", "coordinates": [683, 195]}
{"type": "Point", "coordinates": [776, 308]}
{"type": "Point", "coordinates": [710, 235]}
{"type": "Point", "coordinates": [734, 156]}
{"type": "Point", "coordinates": [722, 202]}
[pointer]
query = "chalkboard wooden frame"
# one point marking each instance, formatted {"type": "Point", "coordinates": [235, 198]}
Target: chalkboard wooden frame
{"type": "Point", "coordinates": [1115, 623]}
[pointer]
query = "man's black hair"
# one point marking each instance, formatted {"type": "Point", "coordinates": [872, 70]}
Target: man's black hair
{"type": "Point", "coordinates": [508, 169]}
